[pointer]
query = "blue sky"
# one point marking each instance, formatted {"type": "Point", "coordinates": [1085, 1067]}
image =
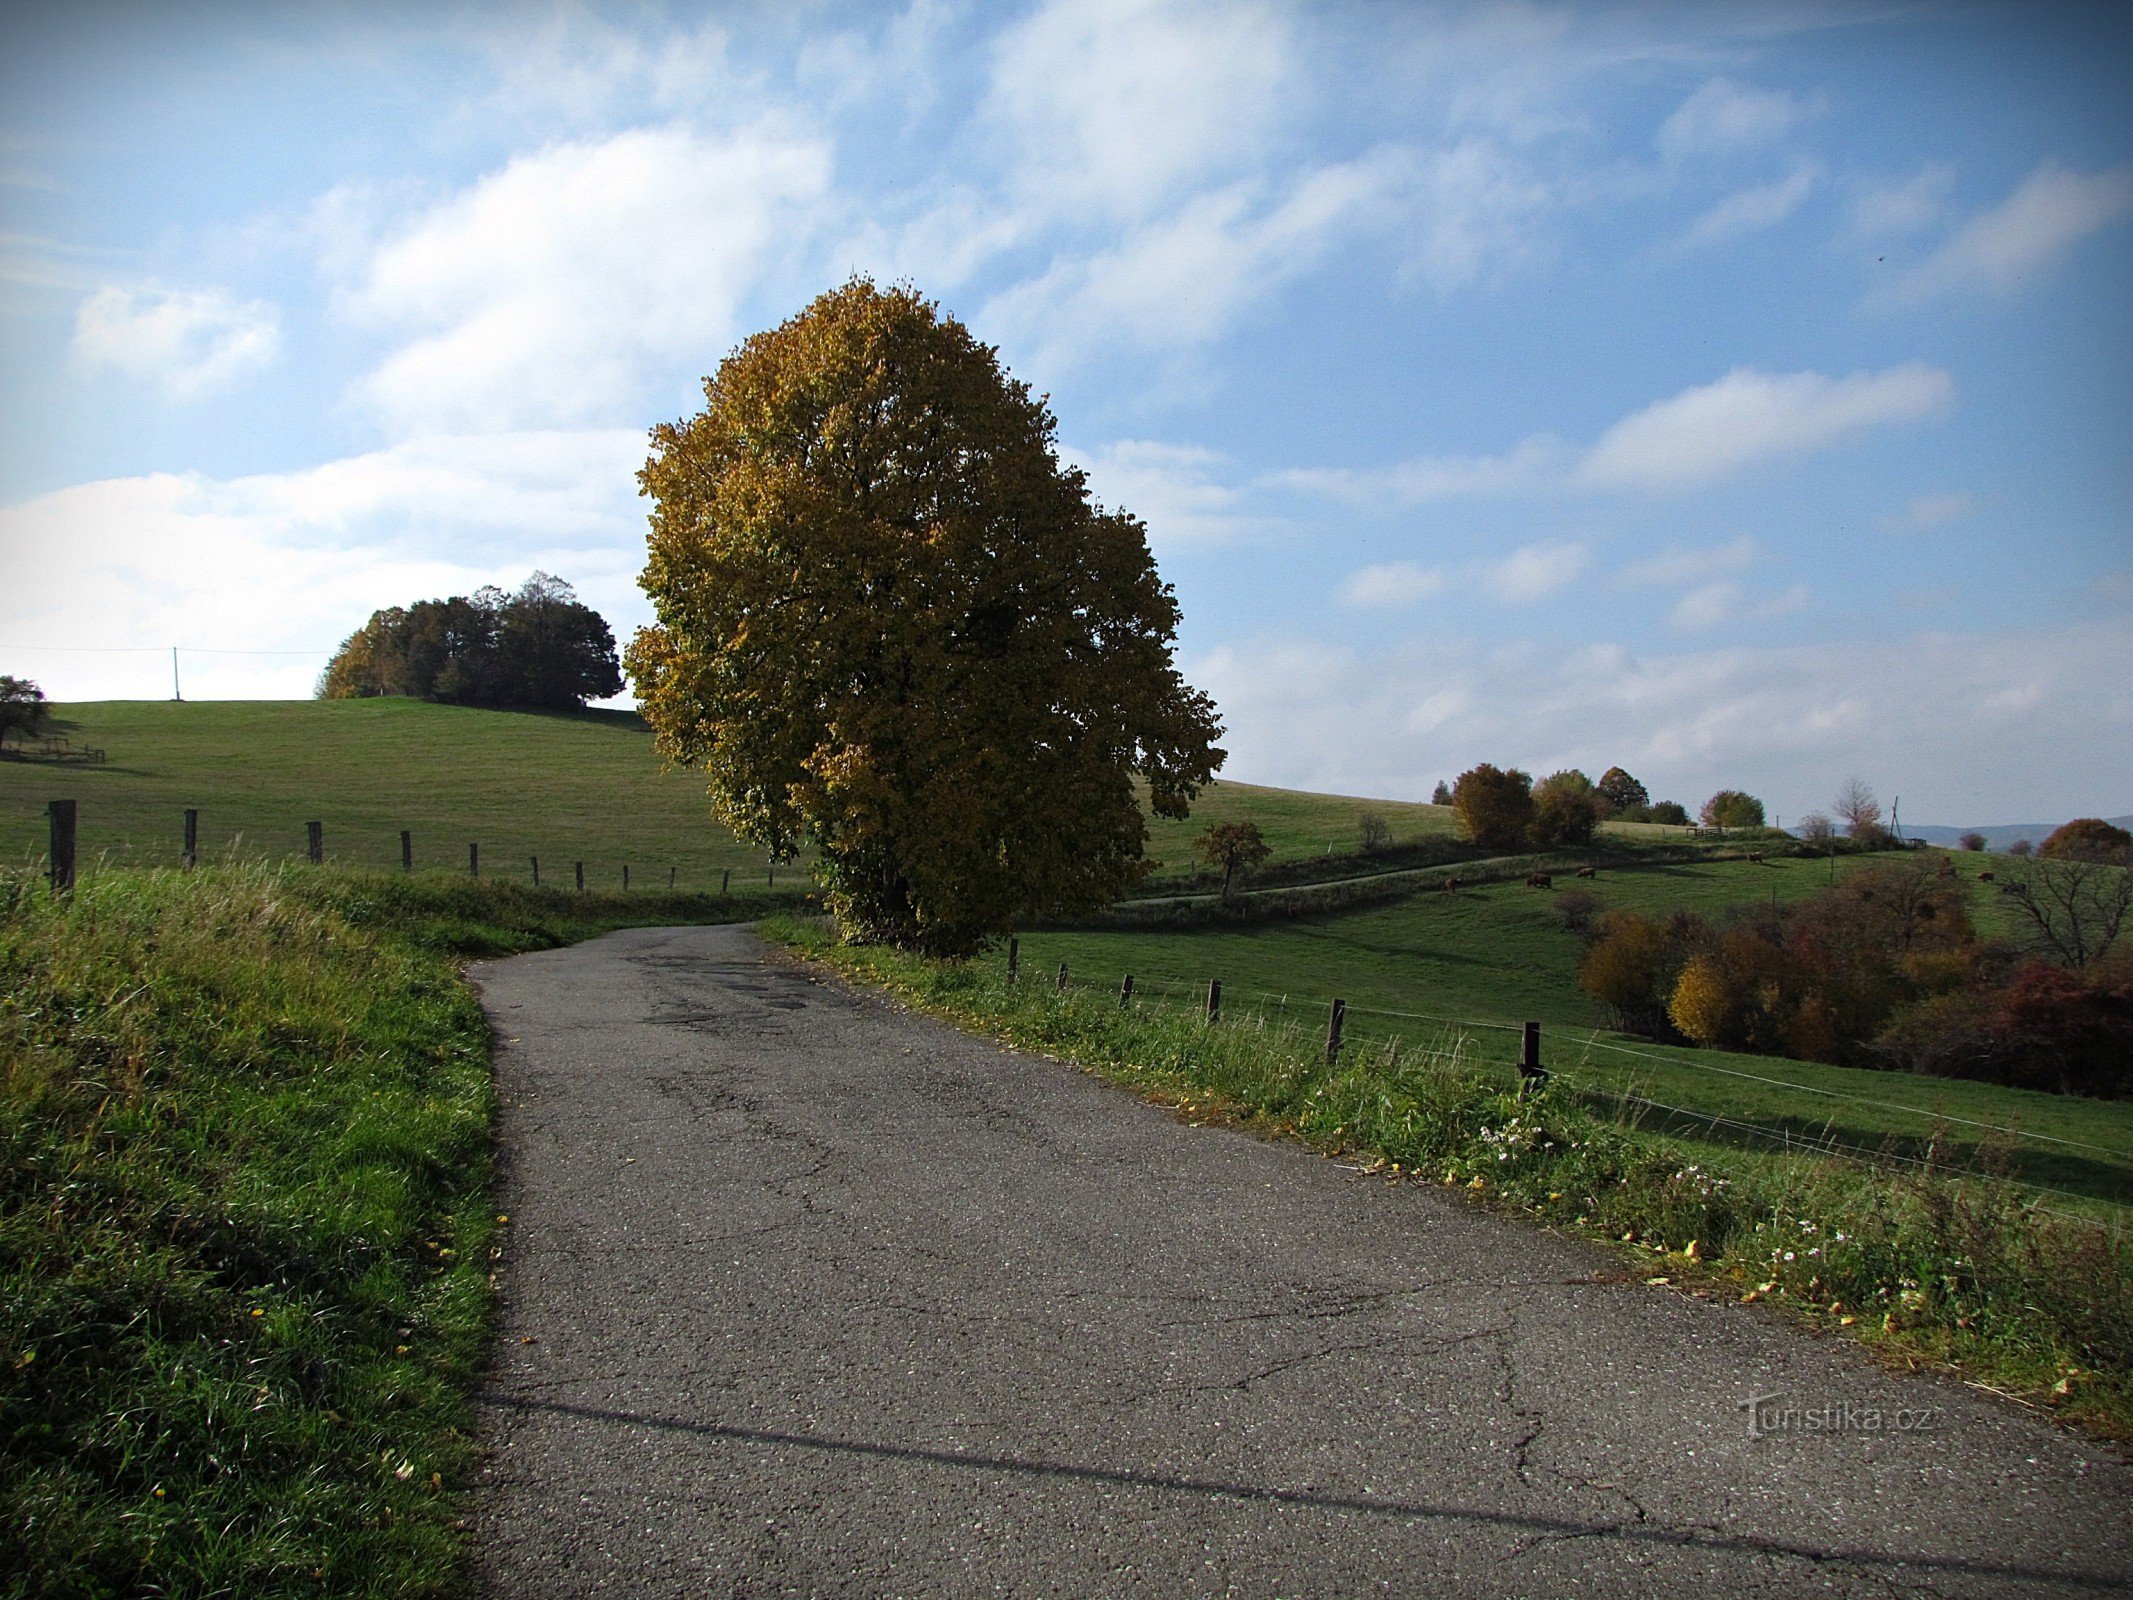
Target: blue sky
{"type": "Point", "coordinates": [1740, 394]}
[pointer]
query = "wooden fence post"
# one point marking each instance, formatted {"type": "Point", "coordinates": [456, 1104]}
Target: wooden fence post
{"type": "Point", "coordinates": [407, 851]}
{"type": "Point", "coordinates": [315, 841]}
{"type": "Point", "coordinates": [1062, 977]}
{"type": "Point", "coordinates": [1531, 1074]}
{"type": "Point", "coordinates": [1334, 1018]}
{"type": "Point", "coordinates": [581, 877]}
{"type": "Point", "coordinates": [192, 838]}
{"type": "Point", "coordinates": [1125, 992]}
{"type": "Point", "coordinates": [725, 879]}
{"type": "Point", "coordinates": [1014, 957]}
{"type": "Point", "coordinates": [536, 860]}
{"type": "Point", "coordinates": [773, 875]}
{"type": "Point", "coordinates": [61, 813]}
{"type": "Point", "coordinates": [671, 871]}
{"type": "Point", "coordinates": [474, 860]}
{"type": "Point", "coordinates": [625, 875]}
{"type": "Point", "coordinates": [1214, 1000]}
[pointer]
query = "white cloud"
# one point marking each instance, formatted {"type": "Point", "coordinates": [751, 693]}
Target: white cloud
{"type": "Point", "coordinates": [1883, 211]}
{"type": "Point", "coordinates": [1531, 465]}
{"type": "Point", "coordinates": [1744, 419]}
{"type": "Point", "coordinates": [1535, 572]}
{"type": "Point", "coordinates": [1121, 106]}
{"type": "Point", "coordinates": [1392, 583]}
{"type": "Point", "coordinates": [1171, 487]}
{"type": "Point", "coordinates": [1725, 115]}
{"type": "Point", "coordinates": [1749, 417]}
{"type": "Point", "coordinates": [1685, 565]}
{"type": "Point", "coordinates": [1963, 726]}
{"type": "Point", "coordinates": [1184, 279]}
{"type": "Point", "coordinates": [1713, 605]}
{"type": "Point", "coordinates": [1930, 511]}
{"type": "Point", "coordinates": [542, 292]}
{"type": "Point", "coordinates": [2050, 212]}
{"type": "Point", "coordinates": [295, 561]}
{"type": "Point", "coordinates": [1470, 214]}
{"type": "Point", "coordinates": [190, 341]}
{"type": "Point", "coordinates": [1751, 210]}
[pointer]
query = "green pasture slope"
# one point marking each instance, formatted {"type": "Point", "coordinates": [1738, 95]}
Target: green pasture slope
{"type": "Point", "coordinates": [520, 784]}
{"type": "Point", "coordinates": [1482, 960]}
{"type": "Point", "coordinates": [566, 788]}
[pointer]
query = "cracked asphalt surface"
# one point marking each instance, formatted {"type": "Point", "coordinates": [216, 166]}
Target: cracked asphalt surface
{"type": "Point", "coordinates": [807, 1295]}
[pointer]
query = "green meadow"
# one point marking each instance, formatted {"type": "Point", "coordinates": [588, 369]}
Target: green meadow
{"type": "Point", "coordinates": [1489, 958]}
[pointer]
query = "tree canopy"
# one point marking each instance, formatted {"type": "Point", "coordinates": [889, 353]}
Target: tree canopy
{"type": "Point", "coordinates": [23, 707]}
{"type": "Point", "coordinates": [1231, 848]}
{"type": "Point", "coordinates": [1731, 808]}
{"type": "Point", "coordinates": [1566, 809]}
{"type": "Point", "coordinates": [1495, 805]}
{"type": "Point", "coordinates": [538, 649]}
{"type": "Point", "coordinates": [893, 626]}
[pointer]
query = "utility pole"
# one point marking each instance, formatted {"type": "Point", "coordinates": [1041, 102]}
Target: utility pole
{"type": "Point", "coordinates": [175, 692]}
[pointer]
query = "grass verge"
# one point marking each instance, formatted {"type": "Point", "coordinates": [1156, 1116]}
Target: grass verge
{"type": "Point", "coordinates": [245, 1222]}
{"type": "Point", "coordinates": [1923, 1266]}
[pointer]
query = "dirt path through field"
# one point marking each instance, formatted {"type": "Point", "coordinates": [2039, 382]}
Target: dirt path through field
{"type": "Point", "coordinates": [808, 1296]}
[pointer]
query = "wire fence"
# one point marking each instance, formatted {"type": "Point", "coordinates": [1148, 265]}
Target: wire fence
{"type": "Point", "coordinates": [1285, 1013]}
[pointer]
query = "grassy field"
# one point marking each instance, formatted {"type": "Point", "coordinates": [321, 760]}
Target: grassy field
{"type": "Point", "coordinates": [245, 1223]}
{"type": "Point", "coordinates": [1498, 955]}
{"type": "Point", "coordinates": [520, 784]}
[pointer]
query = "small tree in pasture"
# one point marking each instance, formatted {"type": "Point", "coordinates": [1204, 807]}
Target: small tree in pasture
{"type": "Point", "coordinates": [1566, 809]}
{"type": "Point", "coordinates": [1495, 805]}
{"type": "Point", "coordinates": [1972, 841]}
{"type": "Point", "coordinates": [23, 707]}
{"type": "Point", "coordinates": [1732, 808]}
{"type": "Point", "coordinates": [2089, 839]}
{"type": "Point", "coordinates": [1231, 848]}
{"type": "Point", "coordinates": [1818, 830]}
{"type": "Point", "coordinates": [1622, 792]}
{"type": "Point", "coordinates": [1373, 833]}
{"type": "Point", "coordinates": [1856, 807]}
{"type": "Point", "coordinates": [1441, 795]}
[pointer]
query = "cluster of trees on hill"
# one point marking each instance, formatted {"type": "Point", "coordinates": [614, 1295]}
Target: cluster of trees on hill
{"type": "Point", "coordinates": [1887, 969]}
{"type": "Point", "coordinates": [1503, 808]}
{"type": "Point", "coordinates": [538, 649]}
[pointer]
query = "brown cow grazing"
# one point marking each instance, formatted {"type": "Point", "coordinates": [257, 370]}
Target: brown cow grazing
{"type": "Point", "coordinates": [1755, 855]}
{"type": "Point", "coordinates": [1451, 885]}
{"type": "Point", "coordinates": [1588, 872]}
{"type": "Point", "coordinates": [1984, 877]}
{"type": "Point", "coordinates": [1539, 880]}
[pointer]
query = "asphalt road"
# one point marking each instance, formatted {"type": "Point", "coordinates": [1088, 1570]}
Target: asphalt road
{"type": "Point", "coordinates": [805, 1295]}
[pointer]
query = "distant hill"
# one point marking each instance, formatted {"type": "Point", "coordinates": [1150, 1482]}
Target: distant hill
{"type": "Point", "coordinates": [1999, 835]}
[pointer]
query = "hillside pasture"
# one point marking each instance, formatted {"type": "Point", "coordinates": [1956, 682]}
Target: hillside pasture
{"type": "Point", "coordinates": [1481, 961]}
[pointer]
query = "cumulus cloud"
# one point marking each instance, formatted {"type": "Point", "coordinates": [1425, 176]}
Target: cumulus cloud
{"type": "Point", "coordinates": [1121, 106]}
{"type": "Point", "coordinates": [1725, 115]}
{"type": "Point", "coordinates": [1535, 571]}
{"type": "Point", "coordinates": [1928, 511]}
{"type": "Point", "coordinates": [2050, 212]}
{"type": "Point", "coordinates": [1684, 564]}
{"type": "Point", "coordinates": [1713, 605]}
{"type": "Point", "coordinates": [190, 342]}
{"type": "Point", "coordinates": [1392, 583]}
{"type": "Point", "coordinates": [542, 292]}
{"type": "Point", "coordinates": [1898, 209]}
{"type": "Point", "coordinates": [295, 561]}
{"type": "Point", "coordinates": [1470, 214]}
{"type": "Point", "coordinates": [1183, 279]}
{"type": "Point", "coordinates": [1962, 725]}
{"type": "Point", "coordinates": [1750, 417]}
{"type": "Point", "coordinates": [1406, 484]}
{"type": "Point", "coordinates": [1752, 210]}
{"type": "Point", "coordinates": [1745, 419]}
{"type": "Point", "coordinates": [1175, 488]}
